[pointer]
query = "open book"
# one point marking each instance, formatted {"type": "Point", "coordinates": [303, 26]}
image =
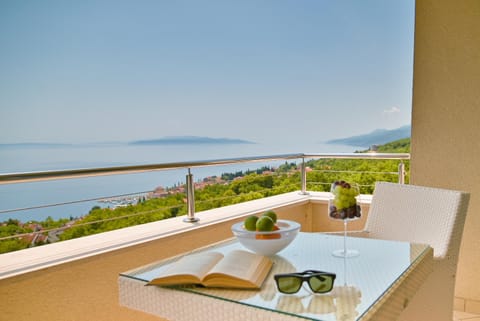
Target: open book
{"type": "Point", "coordinates": [236, 269]}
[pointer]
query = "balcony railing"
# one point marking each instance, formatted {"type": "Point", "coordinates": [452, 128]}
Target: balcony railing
{"type": "Point", "coordinates": [304, 185]}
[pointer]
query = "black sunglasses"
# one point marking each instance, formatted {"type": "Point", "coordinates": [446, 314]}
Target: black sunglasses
{"type": "Point", "coordinates": [318, 281]}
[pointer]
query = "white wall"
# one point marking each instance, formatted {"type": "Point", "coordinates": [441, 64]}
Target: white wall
{"type": "Point", "coordinates": [446, 119]}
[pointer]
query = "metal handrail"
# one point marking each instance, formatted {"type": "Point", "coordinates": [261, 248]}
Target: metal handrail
{"type": "Point", "coordinates": [12, 178]}
{"type": "Point", "coordinates": [24, 177]}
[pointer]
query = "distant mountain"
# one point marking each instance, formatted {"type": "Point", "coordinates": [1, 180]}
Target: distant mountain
{"type": "Point", "coordinates": [190, 140]}
{"type": "Point", "coordinates": [377, 137]}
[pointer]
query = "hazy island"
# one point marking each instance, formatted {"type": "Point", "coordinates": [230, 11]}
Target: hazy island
{"type": "Point", "coordinates": [190, 140]}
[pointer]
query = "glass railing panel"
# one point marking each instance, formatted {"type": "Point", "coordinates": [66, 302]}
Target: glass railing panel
{"type": "Point", "coordinates": [37, 213]}
{"type": "Point", "coordinates": [321, 173]}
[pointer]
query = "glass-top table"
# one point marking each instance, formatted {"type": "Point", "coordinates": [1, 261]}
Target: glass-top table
{"type": "Point", "coordinates": [379, 282]}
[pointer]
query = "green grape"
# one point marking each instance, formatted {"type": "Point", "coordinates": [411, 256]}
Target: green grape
{"type": "Point", "coordinates": [337, 190]}
{"type": "Point", "coordinates": [344, 204]}
{"type": "Point", "coordinates": [337, 203]}
{"type": "Point", "coordinates": [344, 196]}
{"type": "Point", "coordinates": [352, 202]}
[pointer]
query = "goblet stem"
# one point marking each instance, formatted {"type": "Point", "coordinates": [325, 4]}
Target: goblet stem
{"type": "Point", "coordinates": [345, 252]}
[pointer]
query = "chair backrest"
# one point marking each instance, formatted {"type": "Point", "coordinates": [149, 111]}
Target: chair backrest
{"type": "Point", "coordinates": [418, 214]}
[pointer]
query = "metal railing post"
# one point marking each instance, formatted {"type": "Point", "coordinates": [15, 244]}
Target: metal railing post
{"type": "Point", "coordinates": [190, 200]}
{"type": "Point", "coordinates": [304, 178]}
{"type": "Point", "coordinates": [401, 173]}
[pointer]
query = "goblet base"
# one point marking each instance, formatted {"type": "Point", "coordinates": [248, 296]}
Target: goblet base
{"type": "Point", "coordinates": [345, 253]}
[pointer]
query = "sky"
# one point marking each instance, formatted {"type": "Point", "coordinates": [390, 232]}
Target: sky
{"type": "Point", "coordinates": [263, 70]}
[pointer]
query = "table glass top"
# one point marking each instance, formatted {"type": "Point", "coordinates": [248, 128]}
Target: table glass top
{"type": "Point", "coordinates": [360, 281]}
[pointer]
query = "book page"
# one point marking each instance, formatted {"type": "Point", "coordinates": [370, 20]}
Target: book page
{"type": "Point", "coordinates": [196, 265]}
{"type": "Point", "coordinates": [241, 264]}
{"type": "Point", "coordinates": [240, 269]}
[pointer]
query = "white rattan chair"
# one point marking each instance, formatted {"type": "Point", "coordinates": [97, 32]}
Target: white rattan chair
{"type": "Point", "coordinates": [425, 215]}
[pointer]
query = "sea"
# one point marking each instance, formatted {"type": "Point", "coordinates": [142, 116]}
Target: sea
{"type": "Point", "coordinates": [17, 200]}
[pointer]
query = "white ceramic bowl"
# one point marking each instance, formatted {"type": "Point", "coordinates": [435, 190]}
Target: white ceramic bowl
{"type": "Point", "coordinates": [267, 243]}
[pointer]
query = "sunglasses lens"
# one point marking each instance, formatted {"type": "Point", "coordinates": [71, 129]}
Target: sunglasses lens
{"type": "Point", "coordinates": [321, 283]}
{"type": "Point", "coordinates": [289, 284]}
